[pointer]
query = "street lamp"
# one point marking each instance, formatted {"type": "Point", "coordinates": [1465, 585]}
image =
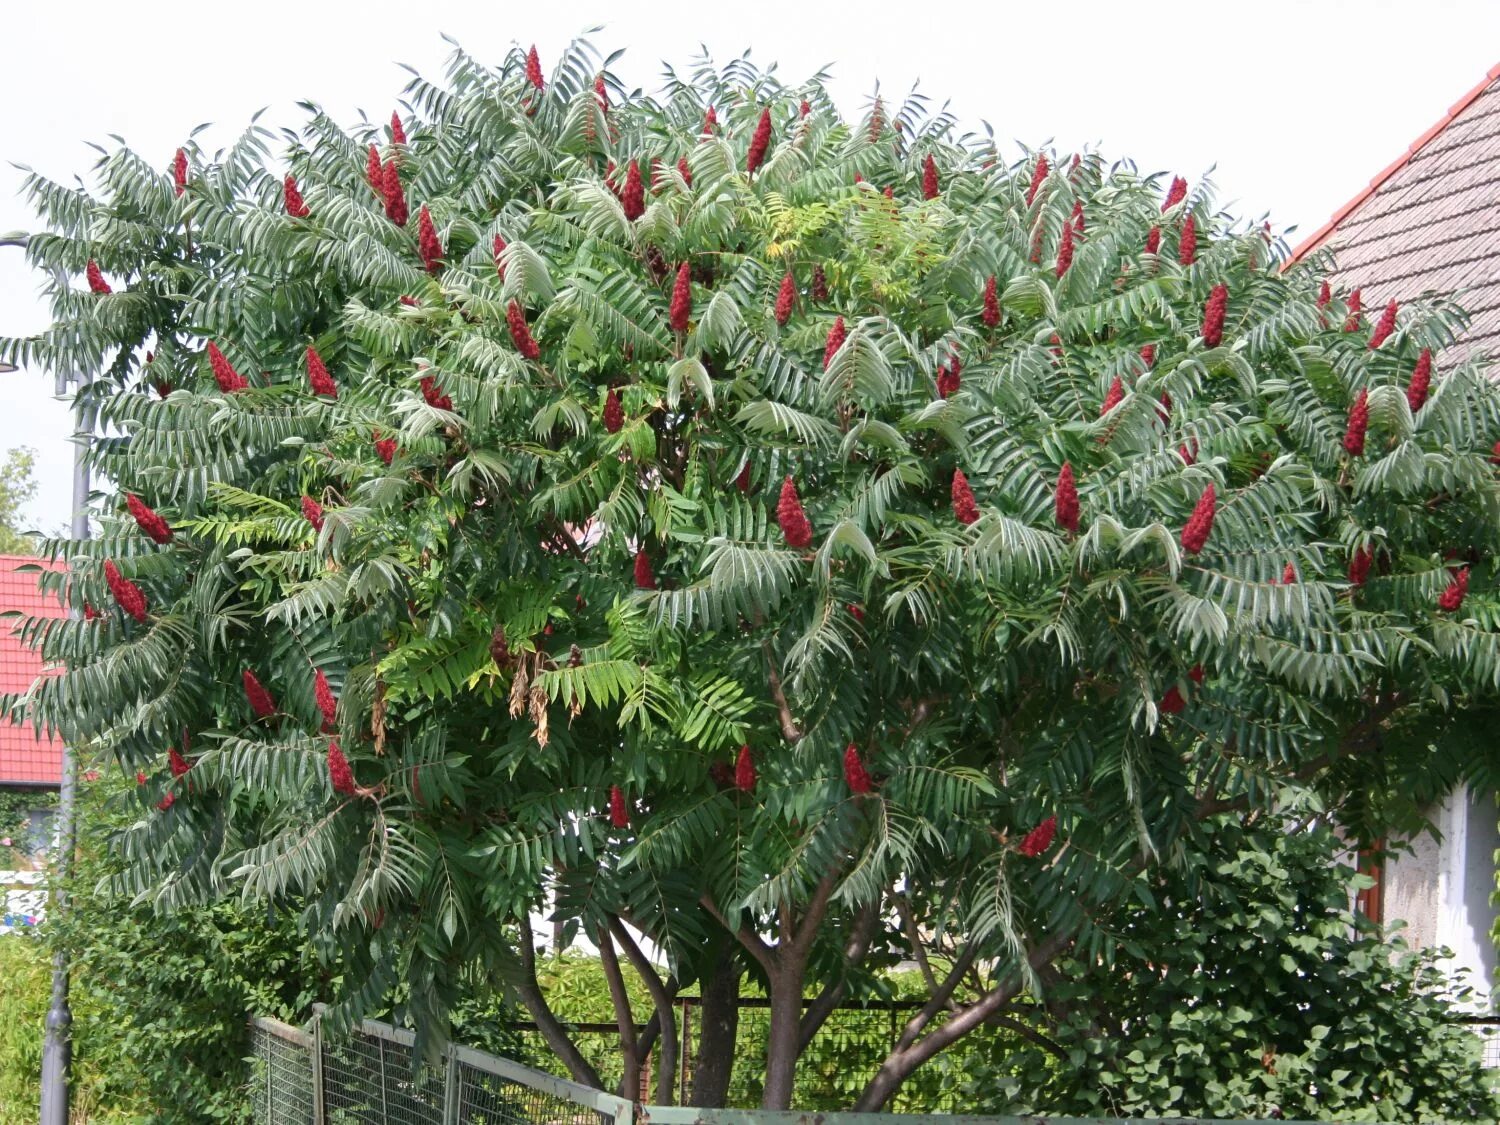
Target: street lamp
{"type": "Point", "coordinates": [57, 1048]}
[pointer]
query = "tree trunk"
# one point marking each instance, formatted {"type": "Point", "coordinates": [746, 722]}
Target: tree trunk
{"type": "Point", "coordinates": [553, 1032]}
{"type": "Point", "coordinates": [630, 1079]}
{"type": "Point", "coordinates": [718, 1028]}
{"type": "Point", "coordinates": [786, 1020]}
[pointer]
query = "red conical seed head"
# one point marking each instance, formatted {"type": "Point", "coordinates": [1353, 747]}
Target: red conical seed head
{"type": "Point", "coordinates": [759, 143]}
{"type": "Point", "coordinates": [1195, 673]}
{"type": "Point", "coordinates": [744, 771]}
{"type": "Point", "coordinates": [792, 520]}
{"type": "Point", "coordinates": [1352, 323]}
{"type": "Point", "coordinates": [1189, 452]}
{"type": "Point", "coordinates": [645, 578]}
{"type": "Point", "coordinates": [126, 593]}
{"type": "Point", "coordinates": [398, 134]}
{"type": "Point", "coordinates": [340, 776]}
{"type": "Point", "coordinates": [1325, 294]}
{"type": "Point", "coordinates": [929, 178]}
{"type": "Point", "coordinates": [433, 395]}
{"type": "Point", "coordinates": [1153, 240]}
{"type": "Point", "coordinates": [140, 777]}
{"type": "Point", "coordinates": [710, 119]}
{"type": "Point", "coordinates": [533, 68]}
{"type": "Point", "coordinates": [785, 298]}
{"type": "Point", "coordinates": [601, 93]}
{"type": "Point", "coordinates": [1289, 575]}
{"type": "Point", "coordinates": [167, 802]}
{"type": "Point", "coordinates": [327, 704]}
{"type": "Point", "coordinates": [260, 699]}
{"type": "Point", "coordinates": [1065, 250]}
{"type": "Point", "coordinates": [1113, 397]}
{"type": "Point", "coordinates": [1172, 703]}
{"type": "Point", "coordinates": [374, 172]}
{"type": "Point", "coordinates": [1038, 178]}
{"type": "Point", "coordinates": [1076, 218]}
{"type": "Point", "coordinates": [179, 172]}
{"type": "Point", "coordinates": [805, 108]}
{"type": "Point", "coordinates": [991, 313]}
{"type": "Point", "coordinates": [619, 815]}
{"type": "Point", "coordinates": [877, 120]}
{"type": "Point", "coordinates": [394, 193]}
{"type": "Point", "coordinates": [856, 611]}
{"type": "Point", "coordinates": [1213, 315]}
{"type": "Point", "coordinates": [1065, 500]}
{"type": "Point", "coordinates": [836, 338]}
{"type": "Point", "coordinates": [520, 334]}
{"type": "Point", "coordinates": [1201, 522]}
{"type": "Point", "coordinates": [1148, 354]}
{"type": "Point", "coordinates": [964, 508]}
{"type": "Point", "coordinates": [427, 242]}
{"type": "Point", "coordinates": [819, 284]}
{"type": "Point", "coordinates": [614, 412]}
{"type": "Point", "coordinates": [90, 613]}
{"type": "Point", "coordinates": [384, 448]}
{"type": "Point", "coordinates": [499, 261]}
{"type": "Point", "coordinates": [855, 774]}
{"type": "Point", "coordinates": [149, 521]}
{"type": "Point", "coordinates": [1187, 245]}
{"type": "Point", "coordinates": [684, 171]}
{"type": "Point", "coordinates": [225, 375]}
{"type": "Point", "coordinates": [1452, 598]}
{"type": "Point", "coordinates": [633, 197]}
{"type": "Point", "coordinates": [1359, 421]}
{"type": "Point", "coordinates": [1386, 326]}
{"type": "Point", "coordinates": [1421, 379]}
{"type": "Point", "coordinates": [742, 482]}
{"type": "Point", "coordinates": [1039, 839]}
{"type": "Point", "coordinates": [179, 764]}
{"type": "Point", "coordinates": [290, 196]}
{"type": "Point", "coordinates": [680, 311]}
{"type": "Point", "coordinates": [317, 375]}
{"type": "Point", "coordinates": [1359, 565]}
{"type": "Point", "coordinates": [1175, 194]}
{"type": "Point", "coordinates": [312, 512]}
{"type": "Point", "coordinates": [97, 284]}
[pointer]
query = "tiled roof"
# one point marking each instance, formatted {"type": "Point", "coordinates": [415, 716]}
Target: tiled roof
{"type": "Point", "coordinates": [24, 759]}
{"type": "Point", "coordinates": [1430, 222]}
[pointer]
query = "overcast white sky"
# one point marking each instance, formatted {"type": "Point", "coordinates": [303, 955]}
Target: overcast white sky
{"type": "Point", "coordinates": [1298, 104]}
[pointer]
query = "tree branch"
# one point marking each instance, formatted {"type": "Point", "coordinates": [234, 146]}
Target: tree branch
{"type": "Point", "coordinates": [817, 1013]}
{"type": "Point", "coordinates": [937, 1001]}
{"type": "Point", "coordinates": [789, 728]}
{"type": "Point", "coordinates": [914, 939]}
{"type": "Point", "coordinates": [1027, 1032]}
{"type": "Point", "coordinates": [747, 937]}
{"type": "Point", "coordinates": [806, 931]}
{"type": "Point", "coordinates": [630, 1080]}
{"type": "Point", "coordinates": [662, 1000]}
{"type": "Point", "coordinates": [547, 1023]}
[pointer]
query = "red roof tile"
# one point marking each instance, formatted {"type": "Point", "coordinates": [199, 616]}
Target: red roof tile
{"type": "Point", "coordinates": [1430, 222]}
{"type": "Point", "coordinates": [24, 758]}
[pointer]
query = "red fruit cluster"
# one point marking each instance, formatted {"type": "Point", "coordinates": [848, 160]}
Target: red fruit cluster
{"type": "Point", "coordinates": [317, 375]}
{"type": "Point", "coordinates": [1038, 178]}
{"type": "Point", "coordinates": [948, 378]}
{"type": "Point", "coordinates": [614, 412]}
{"type": "Point", "coordinates": [856, 611]}
{"type": "Point", "coordinates": [759, 142]}
{"type": "Point", "coordinates": [1187, 245]}
{"type": "Point", "coordinates": [790, 517]}
{"type": "Point", "coordinates": [1201, 522]}
{"type": "Point", "coordinates": [1452, 598]}
{"type": "Point", "coordinates": [1213, 315]}
{"type": "Point", "coordinates": [855, 774]}
{"type": "Point", "coordinates": [1075, 220]}
{"type": "Point", "coordinates": [1359, 421]}
{"type": "Point", "coordinates": [97, 284]}
{"type": "Point", "coordinates": [125, 591]}
{"type": "Point", "coordinates": [90, 613]}
{"type": "Point", "coordinates": [295, 207]}
{"type": "Point", "coordinates": [1153, 240]}
{"type": "Point", "coordinates": [1421, 379]}
{"type": "Point", "coordinates": [929, 178]}
{"type": "Point", "coordinates": [684, 171]}
{"type": "Point", "coordinates": [836, 337]}
{"type": "Point", "coordinates": [744, 771]}
{"type": "Point", "coordinates": [179, 172]}
{"type": "Point", "coordinates": [710, 119]}
{"type": "Point", "coordinates": [1359, 565]}
{"type": "Point", "coordinates": [819, 284]}
{"type": "Point", "coordinates": [1065, 499]}
{"type": "Point", "coordinates": [1065, 250]}
{"type": "Point", "coordinates": [312, 512]}
{"type": "Point", "coordinates": [178, 764]}
{"type": "Point", "coordinates": [433, 395]}
{"type": "Point", "coordinates": [1171, 702]}
{"type": "Point", "coordinates": [428, 244]}
{"type": "Point", "coordinates": [374, 172]}
{"type": "Point", "coordinates": [533, 68]}
{"type": "Point", "coordinates": [398, 134]}
{"type": "Point", "coordinates": [601, 93]}
{"type": "Point", "coordinates": [149, 521]}
{"type": "Point", "coordinates": [260, 699]}
{"type": "Point", "coordinates": [877, 120]}
{"type": "Point", "coordinates": [385, 448]}
{"type": "Point", "coordinates": [1325, 294]}
{"type": "Point", "coordinates": [991, 313]}
{"type": "Point", "coordinates": [327, 704]}
{"type": "Point", "coordinates": [805, 108]}
{"type": "Point", "coordinates": [742, 481]}
{"type": "Point", "coordinates": [633, 196]}
{"type": "Point", "coordinates": [520, 334]}
{"type": "Point", "coordinates": [167, 802]}
{"type": "Point", "coordinates": [1148, 354]}
{"type": "Point", "coordinates": [680, 311]}
{"type": "Point", "coordinates": [1113, 397]}
{"type": "Point", "coordinates": [964, 508]}
{"type": "Point", "coordinates": [1175, 194]}
{"type": "Point", "coordinates": [785, 298]}
{"type": "Point", "coordinates": [1352, 323]}
{"type": "Point", "coordinates": [1289, 575]}
{"type": "Point", "coordinates": [340, 776]}
{"type": "Point", "coordinates": [1385, 327]}
{"type": "Point", "coordinates": [225, 375]}
{"type": "Point", "coordinates": [499, 250]}
{"type": "Point", "coordinates": [393, 194]}
{"type": "Point", "coordinates": [645, 578]}
{"type": "Point", "coordinates": [619, 815]}
{"type": "Point", "coordinates": [1039, 839]}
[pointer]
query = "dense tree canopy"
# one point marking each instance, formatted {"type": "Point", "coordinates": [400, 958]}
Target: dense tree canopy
{"type": "Point", "coordinates": [802, 542]}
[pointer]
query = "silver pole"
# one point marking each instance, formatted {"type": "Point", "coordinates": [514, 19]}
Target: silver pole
{"type": "Point", "coordinates": [57, 1048]}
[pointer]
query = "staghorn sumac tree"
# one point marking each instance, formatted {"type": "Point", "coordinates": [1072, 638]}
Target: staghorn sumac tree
{"type": "Point", "coordinates": [600, 502]}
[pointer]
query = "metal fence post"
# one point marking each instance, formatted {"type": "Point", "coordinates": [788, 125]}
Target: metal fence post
{"type": "Point", "coordinates": [317, 1070]}
{"type": "Point", "coordinates": [451, 1090]}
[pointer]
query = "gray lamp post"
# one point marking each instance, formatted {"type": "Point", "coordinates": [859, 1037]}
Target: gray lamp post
{"type": "Point", "coordinates": [57, 1049]}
